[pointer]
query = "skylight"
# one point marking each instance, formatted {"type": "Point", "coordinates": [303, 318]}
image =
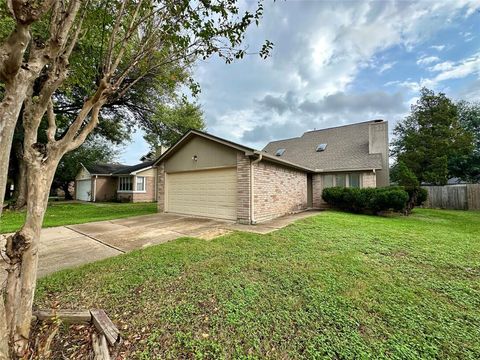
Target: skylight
{"type": "Point", "coordinates": [279, 152]}
{"type": "Point", "coordinates": [321, 147]}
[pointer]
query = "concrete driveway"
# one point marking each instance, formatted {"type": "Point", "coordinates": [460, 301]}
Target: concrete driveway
{"type": "Point", "coordinates": [73, 245]}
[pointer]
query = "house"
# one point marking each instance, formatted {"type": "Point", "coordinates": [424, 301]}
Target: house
{"type": "Point", "coordinates": [204, 175]}
{"type": "Point", "coordinates": [108, 182]}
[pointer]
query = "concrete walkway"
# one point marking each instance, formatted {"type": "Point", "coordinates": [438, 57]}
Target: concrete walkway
{"type": "Point", "coordinates": [73, 245]}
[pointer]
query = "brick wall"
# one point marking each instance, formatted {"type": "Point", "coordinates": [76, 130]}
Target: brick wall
{"type": "Point", "coordinates": [106, 188]}
{"type": "Point", "coordinates": [161, 187]}
{"type": "Point", "coordinates": [317, 187]}
{"type": "Point", "coordinates": [368, 179]}
{"type": "Point", "coordinates": [278, 191]}
{"type": "Point", "coordinates": [243, 188]}
{"type": "Point", "coordinates": [149, 194]}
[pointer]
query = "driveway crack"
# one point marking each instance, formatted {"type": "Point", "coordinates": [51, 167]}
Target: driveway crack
{"type": "Point", "coordinates": [95, 239]}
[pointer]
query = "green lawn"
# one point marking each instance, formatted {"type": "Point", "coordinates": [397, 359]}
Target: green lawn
{"type": "Point", "coordinates": [336, 285]}
{"type": "Point", "coordinates": [77, 213]}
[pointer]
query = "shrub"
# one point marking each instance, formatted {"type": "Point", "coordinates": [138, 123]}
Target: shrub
{"type": "Point", "coordinates": [367, 200]}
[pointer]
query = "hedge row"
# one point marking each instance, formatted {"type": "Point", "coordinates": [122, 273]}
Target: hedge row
{"type": "Point", "coordinates": [366, 200]}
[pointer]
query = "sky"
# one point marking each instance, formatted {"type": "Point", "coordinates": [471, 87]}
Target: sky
{"type": "Point", "coordinates": [335, 63]}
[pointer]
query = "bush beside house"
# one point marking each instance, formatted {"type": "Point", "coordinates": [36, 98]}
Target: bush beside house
{"type": "Point", "coordinates": [369, 200]}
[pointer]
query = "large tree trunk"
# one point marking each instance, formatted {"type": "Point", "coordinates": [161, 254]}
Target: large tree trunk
{"type": "Point", "coordinates": [66, 190]}
{"type": "Point", "coordinates": [9, 110]}
{"type": "Point", "coordinates": [21, 188]}
{"type": "Point", "coordinates": [22, 252]}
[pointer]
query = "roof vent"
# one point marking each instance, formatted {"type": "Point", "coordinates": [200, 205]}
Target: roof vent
{"type": "Point", "coordinates": [279, 152]}
{"type": "Point", "coordinates": [321, 147]}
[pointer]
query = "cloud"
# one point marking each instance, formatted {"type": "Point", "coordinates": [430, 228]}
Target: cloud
{"type": "Point", "coordinates": [426, 60]}
{"type": "Point", "coordinates": [437, 47]}
{"type": "Point", "coordinates": [288, 115]}
{"type": "Point", "coordinates": [386, 66]}
{"type": "Point", "coordinates": [460, 69]}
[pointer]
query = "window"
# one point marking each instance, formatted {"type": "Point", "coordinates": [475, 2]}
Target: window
{"type": "Point", "coordinates": [327, 181]}
{"type": "Point", "coordinates": [340, 180]}
{"type": "Point", "coordinates": [354, 180]}
{"type": "Point", "coordinates": [279, 152]}
{"type": "Point", "coordinates": [321, 147]}
{"type": "Point", "coordinates": [140, 183]}
{"type": "Point", "coordinates": [125, 183]}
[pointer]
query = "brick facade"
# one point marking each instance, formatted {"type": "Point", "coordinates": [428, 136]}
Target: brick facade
{"type": "Point", "coordinates": [243, 188]}
{"type": "Point", "coordinates": [106, 188]}
{"type": "Point", "coordinates": [278, 191]}
{"type": "Point", "coordinates": [147, 196]}
{"type": "Point", "coordinates": [367, 179]}
{"type": "Point", "coordinates": [161, 187]}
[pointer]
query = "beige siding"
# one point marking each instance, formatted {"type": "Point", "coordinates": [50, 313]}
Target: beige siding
{"type": "Point", "coordinates": [148, 172]}
{"type": "Point", "coordinates": [278, 191]}
{"type": "Point", "coordinates": [83, 174]}
{"type": "Point", "coordinates": [209, 155]}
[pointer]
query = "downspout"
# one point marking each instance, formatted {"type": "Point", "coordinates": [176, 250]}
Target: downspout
{"type": "Point", "coordinates": [252, 199]}
{"type": "Point", "coordinates": [95, 188]}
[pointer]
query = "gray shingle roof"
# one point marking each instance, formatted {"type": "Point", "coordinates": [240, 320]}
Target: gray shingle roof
{"type": "Point", "coordinates": [104, 168]}
{"type": "Point", "coordinates": [347, 149]}
{"type": "Point", "coordinates": [126, 170]}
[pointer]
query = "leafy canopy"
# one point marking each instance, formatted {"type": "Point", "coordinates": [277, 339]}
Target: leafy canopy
{"type": "Point", "coordinates": [431, 136]}
{"type": "Point", "coordinates": [170, 122]}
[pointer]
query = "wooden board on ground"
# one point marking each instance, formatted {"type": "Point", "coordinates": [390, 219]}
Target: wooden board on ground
{"type": "Point", "coordinates": [105, 326]}
{"type": "Point", "coordinates": [67, 316]}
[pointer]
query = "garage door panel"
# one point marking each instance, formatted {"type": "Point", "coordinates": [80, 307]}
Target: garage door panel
{"type": "Point", "coordinates": [211, 193]}
{"type": "Point", "coordinates": [84, 188]}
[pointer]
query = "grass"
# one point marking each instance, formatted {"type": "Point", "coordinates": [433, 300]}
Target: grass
{"type": "Point", "coordinates": [77, 213]}
{"type": "Point", "coordinates": [336, 285]}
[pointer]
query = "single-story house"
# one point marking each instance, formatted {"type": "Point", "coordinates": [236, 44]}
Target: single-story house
{"type": "Point", "coordinates": [109, 182]}
{"type": "Point", "coordinates": [204, 175]}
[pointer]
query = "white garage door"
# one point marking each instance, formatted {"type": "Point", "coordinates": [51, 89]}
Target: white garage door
{"type": "Point", "coordinates": [210, 193]}
{"type": "Point", "coordinates": [83, 190]}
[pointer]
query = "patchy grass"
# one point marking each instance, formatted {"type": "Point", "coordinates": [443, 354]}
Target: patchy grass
{"type": "Point", "coordinates": [336, 285]}
{"type": "Point", "coordinates": [77, 213]}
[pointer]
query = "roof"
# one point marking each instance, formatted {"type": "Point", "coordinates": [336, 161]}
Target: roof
{"type": "Point", "coordinates": [347, 149]}
{"type": "Point", "coordinates": [127, 170]}
{"type": "Point", "coordinates": [104, 169]}
{"type": "Point", "coordinates": [248, 151]}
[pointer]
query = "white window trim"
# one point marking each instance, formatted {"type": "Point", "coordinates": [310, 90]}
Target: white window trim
{"type": "Point", "coordinates": [134, 185]}
{"type": "Point", "coordinates": [144, 184]}
{"type": "Point", "coordinates": [347, 179]}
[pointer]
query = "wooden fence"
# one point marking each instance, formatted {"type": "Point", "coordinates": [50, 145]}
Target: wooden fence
{"type": "Point", "coordinates": [459, 197]}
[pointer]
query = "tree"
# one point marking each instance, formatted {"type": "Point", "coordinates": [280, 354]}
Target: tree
{"type": "Point", "coordinates": [169, 123]}
{"type": "Point", "coordinates": [430, 136]}
{"type": "Point", "coordinates": [95, 150]}
{"type": "Point", "coordinates": [405, 177]}
{"type": "Point", "coordinates": [141, 38]}
{"type": "Point", "coordinates": [467, 166]}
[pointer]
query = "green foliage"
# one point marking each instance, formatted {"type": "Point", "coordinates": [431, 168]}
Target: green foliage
{"type": "Point", "coordinates": [467, 166]}
{"type": "Point", "coordinates": [366, 200]}
{"type": "Point", "coordinates": [432, 135]}
{"type": "Point", "coordinates": [333, 286]}
{"type": "Point", "coordinates": [59, 214]}
{"type": "Point", "coordinates": [93, 151]}
{"type": "Point", "coordinates": [405, 177]}
{"type": "Point", "coordinates": [170, 122]}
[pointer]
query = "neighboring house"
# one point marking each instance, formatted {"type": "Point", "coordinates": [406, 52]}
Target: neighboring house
{"type": "Point", "coordinates": [204, 175]}
{"type": "Point", "coordinates": [108, 182]}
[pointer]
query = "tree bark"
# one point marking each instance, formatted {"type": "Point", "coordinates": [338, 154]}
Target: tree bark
{"type": "Point", "coordinates": [22, 252]}
{"type": "Point", "coordinates": [9, 111]}
{"type": "Point", "coordinates": [21, 185]}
